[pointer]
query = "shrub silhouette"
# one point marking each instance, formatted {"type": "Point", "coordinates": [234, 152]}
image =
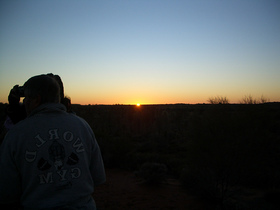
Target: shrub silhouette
{"type": "Point", "coordinates": [248, 99]}
{"type": "Point", "coordinates": [218, 100]}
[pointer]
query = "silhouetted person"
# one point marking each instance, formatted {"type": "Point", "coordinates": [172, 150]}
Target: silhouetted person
{"type": "Point", "coordinates": [16, 111]}
{"type": "Point", "coordinates": [66, 101]}
{"type": "Point", "coordinates": [51, 159]}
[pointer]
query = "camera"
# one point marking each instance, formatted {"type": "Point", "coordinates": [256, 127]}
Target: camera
{"type": "Point", "coordinates": [21, 91]}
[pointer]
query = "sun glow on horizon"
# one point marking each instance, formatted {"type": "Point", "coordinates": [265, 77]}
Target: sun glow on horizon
{"type": "Point", "coordinates": [138, 104]}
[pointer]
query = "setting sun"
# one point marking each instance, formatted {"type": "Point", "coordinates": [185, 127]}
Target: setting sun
{"type": "Point", "coordinates": [138, 104]}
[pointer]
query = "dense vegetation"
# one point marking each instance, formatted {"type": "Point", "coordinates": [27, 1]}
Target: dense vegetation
{"type": "Point", "coordinates": [210, 148]}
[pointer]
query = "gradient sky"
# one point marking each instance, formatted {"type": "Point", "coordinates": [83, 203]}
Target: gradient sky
{"type": "Point", "coordinates": [144, 51]}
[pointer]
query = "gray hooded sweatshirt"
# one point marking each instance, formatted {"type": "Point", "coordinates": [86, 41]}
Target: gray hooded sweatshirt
{"type": "Point", "coordinates": [51, 159]}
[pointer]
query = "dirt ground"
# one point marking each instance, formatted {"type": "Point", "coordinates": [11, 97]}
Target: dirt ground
{"type": "Point", "coordinates": [123, 190]}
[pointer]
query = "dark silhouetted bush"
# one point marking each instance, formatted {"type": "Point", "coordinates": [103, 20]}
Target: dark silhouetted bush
{"type": "Point", "coordinates": [248, 99]}
{"type": "Point", "coordinates": [218, 100]}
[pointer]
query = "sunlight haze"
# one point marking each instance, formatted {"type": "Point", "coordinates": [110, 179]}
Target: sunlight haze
{"type": "Point", "coordinates": [144, 52]}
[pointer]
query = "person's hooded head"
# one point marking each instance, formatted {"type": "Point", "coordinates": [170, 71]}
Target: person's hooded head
{"type": "Point", "coordinates": [39, 90]}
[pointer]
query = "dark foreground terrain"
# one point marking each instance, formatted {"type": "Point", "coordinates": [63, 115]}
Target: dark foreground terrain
{"type": "Point", "coordinates": [123, 190]}
{"type": "Point", "coordinates": [221, 156]}
{"type": "Point", "coordinates": [187, 156]}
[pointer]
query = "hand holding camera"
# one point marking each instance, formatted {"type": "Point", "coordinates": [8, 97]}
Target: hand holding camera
{"type": "Point", "coordinates": [15, 94]}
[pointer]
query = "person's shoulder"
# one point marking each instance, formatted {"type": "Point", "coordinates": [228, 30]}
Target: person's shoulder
{"type": "Point", "coordinates": [15, 131]}
{"type": "Point", "coordinates": [19, 127]}
{"type": "Point", "coordinates": [80, 123]}
{"type": "Point", "coordinates": [77, 118]}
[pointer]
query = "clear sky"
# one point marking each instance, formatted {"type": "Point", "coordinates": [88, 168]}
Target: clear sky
{"type": "Point", "coordinates": [144, 51]}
